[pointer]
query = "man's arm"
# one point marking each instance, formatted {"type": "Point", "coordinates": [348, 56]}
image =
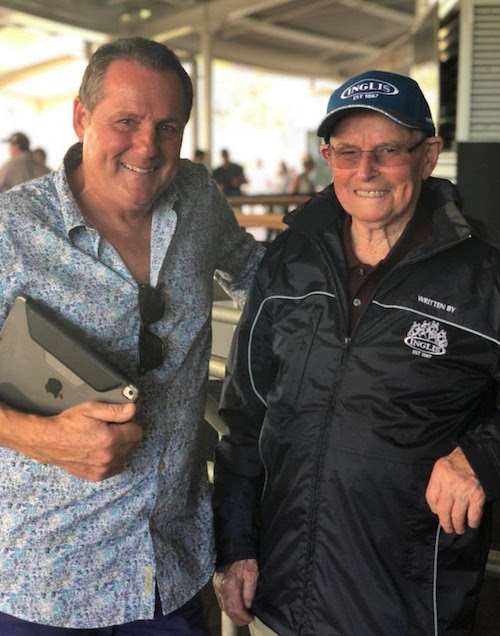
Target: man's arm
{"type": "Point", "coordinates": [235, 587]}
{"type": "Point", "coordinates": [239, 254]}
{"type": "Point", "coordinates": [91, 441]}
{"type": "Point", "coordinates": [464, 480]}
{"type": "Point", "coordinates": [239, 472]}
{"type": "Point", "coordinates": [454, 493]}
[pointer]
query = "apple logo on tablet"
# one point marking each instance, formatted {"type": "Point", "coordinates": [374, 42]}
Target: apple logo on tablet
{"type": "Point", "coordinates": [54, 387]}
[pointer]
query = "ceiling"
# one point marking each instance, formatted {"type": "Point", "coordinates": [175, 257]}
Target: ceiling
{"type": "Point", "coordinates": [315, 38]}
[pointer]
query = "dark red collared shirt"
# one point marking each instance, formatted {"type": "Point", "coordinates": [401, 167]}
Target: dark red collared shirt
{"type": "Point", "coordinates": [364, 278]}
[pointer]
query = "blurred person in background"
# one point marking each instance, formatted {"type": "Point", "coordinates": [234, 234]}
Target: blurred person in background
{"type": "Point", "coordinates": [281, 181]}
{"type": "Point", "coordinates": [258, 179]}
{"type": "Point", "coordinates": [353, 490]}
{"type": "Point", "coordinates": [257, 184]}
{"type": "Point", "coordinates": [199, 156]}
{"type": "Point", "coordinates": [302, 182]}
{"type": "Point", "coordinates": [105, 509]}
{"type": "Point", "coordinates": [40, 156]}
{"type": "Point", "coordinates": [229, 176]}
{"type": "Point", "coordinates": [21, 166]}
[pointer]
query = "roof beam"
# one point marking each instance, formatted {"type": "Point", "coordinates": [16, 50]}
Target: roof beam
{"type": "Point", "coordinates": [262, 57]}
{"type": "Point", "coordinates": [353, 67]}
{"type": "Point", "coordinates": [313, 40]}
{"type": "Point", "coordinates": [305, 8]}
{"type": "Point", "coordinates": [56, 13]}
{"type": "Point", "coordinates": [234, 31]}
{"type": "Point", "coordinates": [12, 77]}
{"type": "Point", "coordinates": [212, 14]}
{"type": "Point", "coordinates": [256, 7]}
{"type": "Point", "coordinates": [372, 8]}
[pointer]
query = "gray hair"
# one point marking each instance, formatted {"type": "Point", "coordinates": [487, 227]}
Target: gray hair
{"type": "Point", "coordinates": [148, 53]}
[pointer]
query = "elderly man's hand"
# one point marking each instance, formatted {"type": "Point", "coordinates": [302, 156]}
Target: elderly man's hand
{"type": "Point", "coordinates": [235, 587]}
{"type": "Point", "coordinates": [92, 441]}
{"type": "Point", "coordinates": [454, 493]}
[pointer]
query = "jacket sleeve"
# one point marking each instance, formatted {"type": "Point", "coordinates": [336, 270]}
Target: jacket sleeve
{"type": "Point", "coordinates": [239, 472]}
{"type": "Point", "coordinates": [481, 446]}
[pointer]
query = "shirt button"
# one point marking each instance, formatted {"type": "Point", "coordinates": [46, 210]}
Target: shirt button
{"type": "Point", "coordinates": [361, 271]}
{"type": "Point", "coordinates": [161, 465]}
{"type": "Point", "coordinates": [356, 302]}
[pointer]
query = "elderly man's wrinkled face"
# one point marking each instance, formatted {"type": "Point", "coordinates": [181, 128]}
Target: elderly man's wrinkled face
{"type": "Point", "coordinates": [371, 192]}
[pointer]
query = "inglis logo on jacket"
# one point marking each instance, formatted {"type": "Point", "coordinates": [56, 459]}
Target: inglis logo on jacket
{"type": "Point", "coordinates": [426, 339]}
{"type": "Point", "coordinates": [368, 89]}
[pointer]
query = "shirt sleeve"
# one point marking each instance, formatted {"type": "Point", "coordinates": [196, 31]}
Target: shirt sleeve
{"type": "Point", "coordinates": [239, 253]}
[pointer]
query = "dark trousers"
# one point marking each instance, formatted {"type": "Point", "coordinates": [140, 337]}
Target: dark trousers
{"type": "Point", "coordinates": [188, 620]}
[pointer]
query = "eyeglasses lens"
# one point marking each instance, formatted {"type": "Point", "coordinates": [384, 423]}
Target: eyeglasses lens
{"type": "Point", "coordinates": [386, 156]}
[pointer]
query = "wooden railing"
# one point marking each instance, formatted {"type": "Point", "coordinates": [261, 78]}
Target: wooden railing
{"type": "Point", "coordinates": [276, 205]}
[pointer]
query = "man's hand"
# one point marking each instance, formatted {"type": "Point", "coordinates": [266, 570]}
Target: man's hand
{"type": "Point", "coordinates": [235, 586]}
{"type": "Point", "coordinates": [92, 441]}
{"type": "Point", "coordinates": [454, 493]}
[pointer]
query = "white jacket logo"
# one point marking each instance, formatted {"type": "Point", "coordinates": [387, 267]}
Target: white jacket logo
{"type": "Point", "coordinates": [426, 339]}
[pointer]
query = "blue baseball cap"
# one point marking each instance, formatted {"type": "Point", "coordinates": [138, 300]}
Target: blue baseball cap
{"type": "Point", "coordinates": [395, 96]}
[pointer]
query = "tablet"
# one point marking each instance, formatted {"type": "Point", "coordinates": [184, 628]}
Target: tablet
{"type": "Point", "coordinates": [44, 369]}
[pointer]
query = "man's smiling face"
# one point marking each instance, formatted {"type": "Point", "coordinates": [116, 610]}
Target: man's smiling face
{"type": "Point", "coordinates": [372, 194]}
{"type": "Point", "coordinates": [132, 138]}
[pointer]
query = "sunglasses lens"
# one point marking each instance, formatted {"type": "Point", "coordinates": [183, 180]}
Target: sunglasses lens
{"type": "Point", "coordinates": [151, 350]}
{"type": "Point", "coordinates": [151, 304]}
{"type": "Point", "coordinates": [151, 309]}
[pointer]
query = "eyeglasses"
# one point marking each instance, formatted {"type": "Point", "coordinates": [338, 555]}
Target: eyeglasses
{"type": "Point", "coordinates": [151, 347]}
{"type": "Point", "coordinates": [387, 155]}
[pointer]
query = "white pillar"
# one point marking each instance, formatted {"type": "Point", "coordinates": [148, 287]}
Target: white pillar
{"type": "Point", "coordinates": [206, 121]}
{"type": "Point", "coordinates": [195, 110]}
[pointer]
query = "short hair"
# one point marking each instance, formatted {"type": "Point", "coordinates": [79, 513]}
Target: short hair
{"type": "Point", "coordinates": [21, 140]}
{"type": "Point", "coordinates": [148, 53]}
{"type": "Point", "coordinates": [41, 152]}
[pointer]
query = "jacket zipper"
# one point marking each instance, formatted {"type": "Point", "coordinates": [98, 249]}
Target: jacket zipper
{"type": "Point", "coordinates": [325, 257]}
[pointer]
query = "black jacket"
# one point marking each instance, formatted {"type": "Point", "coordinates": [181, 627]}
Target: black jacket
{"type": "Point", "coordinates": [333, 438]}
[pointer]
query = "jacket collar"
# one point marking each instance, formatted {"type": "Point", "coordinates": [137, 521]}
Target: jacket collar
{"type": "Point", "coordinates": [324, 212]}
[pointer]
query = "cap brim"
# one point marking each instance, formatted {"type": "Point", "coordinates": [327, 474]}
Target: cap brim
{"type": "Point", "coordinates": [334, 115]}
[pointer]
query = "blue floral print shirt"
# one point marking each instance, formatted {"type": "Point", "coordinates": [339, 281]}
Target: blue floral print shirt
{"type": "Point", "coordinates": [81, 554]}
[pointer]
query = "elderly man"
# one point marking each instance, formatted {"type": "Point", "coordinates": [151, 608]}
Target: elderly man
{"type": "Point", "coordinates": [105, 511]}
{"type": "Point", "coordinates": [360, 396]}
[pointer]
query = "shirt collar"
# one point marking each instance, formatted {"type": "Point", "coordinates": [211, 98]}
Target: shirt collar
{"type": "Point", "coordinates": [70, 210]}
{"type": "Point", "coordinates": [417, 230]}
